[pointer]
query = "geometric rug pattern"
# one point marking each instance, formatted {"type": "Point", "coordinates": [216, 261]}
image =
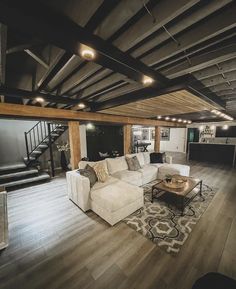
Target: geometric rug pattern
{"type": "Point", "coordinates": [163, 223]}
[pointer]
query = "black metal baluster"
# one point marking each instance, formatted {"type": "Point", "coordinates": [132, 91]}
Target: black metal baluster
{"type": "Point", "coordinates": [31, 142]}
{"type": "Point", "coordinates": [50, 150]}
{"type": "Point", "coordinates": [27, 147]}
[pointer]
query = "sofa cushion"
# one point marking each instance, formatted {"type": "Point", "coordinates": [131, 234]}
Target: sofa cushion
{"type": "Point", "coordinates": [157, 157]}
{"type": "Point", "coordinates": [89, 173]}
{"type": "Point", "coordinates": [131, 177]}
{"type": "Point", "coordinates": [139, 156]}
{"type": "Point", "coordinates": [146, 157]}
{"type": "Point", "coordinates": [116, 164]}
{"type": "Point", "coordinates": [133, 164]}
{"type": "Point", "coordinates": [100, 169]}
{"type": "Point", "coordinates": [149, 173]}
{"type": "Point", "coordinates": [100, 185]}
{"type": "Point", "coordinates": [82, 164]}
{"type": "Point", "coordinates": [115, 196]}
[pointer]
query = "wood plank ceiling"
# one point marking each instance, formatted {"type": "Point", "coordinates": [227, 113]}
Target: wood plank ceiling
{"type": "Point", "coordinates": [179, 102]}
{"type": "Point", "coordinates": [185, 45]}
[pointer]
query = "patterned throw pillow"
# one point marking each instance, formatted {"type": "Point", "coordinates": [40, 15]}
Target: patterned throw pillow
{"type": "Point", "coordinates": [89, 173]}
{"type": "Point", "coordinates": [101, 172]}
{"type": "Point", "coordinates": [133, 164]}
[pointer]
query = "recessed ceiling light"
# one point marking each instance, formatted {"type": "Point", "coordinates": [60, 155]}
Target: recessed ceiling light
{"type": "Point", "coordinates": [159, 116]}
{"type": "Point", "coordinates": [81, 105]}
{"type": "Point", "coordinates": [147, 80]}
{"type": "Point", "coordinates": [185, 121]}
{"type": "Point", "coordinates": [179, 120]}
{"type": "Point", "coordinates": [87, 52]}
{"type": "Point", "coordinates": [173, 119]}
{"type": "Point", "coordinates": [167, 118]}
{"type": "Point", "coordinates": [225, 126]}
{"type": "Point", "coordinates": [213, 111]}
{"type": "Point", "coordinates": [189, 121]}
{"type": "Point", "coordinates": [39, 99]}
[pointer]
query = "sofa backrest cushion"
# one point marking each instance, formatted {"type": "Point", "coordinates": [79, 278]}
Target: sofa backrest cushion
{"type": "Point", "coordinates": [139, 157]}
{"type": "Point", "coordinates": [82, 164]}
{"type": "Point", "coordinates": [157, 158]}
{"type": "Point", "coordinates": [89, 173]}
{"type": "Point", "coordinates": [116, 164]}
{"type": "Point", "coordinates": [146, 156]}
{"type": "Point", "coordinates": [133, 163]}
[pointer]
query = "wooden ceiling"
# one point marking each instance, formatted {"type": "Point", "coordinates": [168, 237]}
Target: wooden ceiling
{"type": "Point", "coordinates": [186, 45]}
{"type": "Point", "coordinates": [179, 102]}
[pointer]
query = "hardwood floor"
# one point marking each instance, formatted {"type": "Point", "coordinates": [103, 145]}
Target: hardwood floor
{"type": "Point", "coordinates": [53, 244]}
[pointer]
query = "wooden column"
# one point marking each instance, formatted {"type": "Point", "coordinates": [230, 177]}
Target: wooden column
{"type": "Point", "coordinates": [157, 139]}
{"type": "Point", "coordinates": [127, 138]}
{"type": "Point", "coordinates": [74, 137]}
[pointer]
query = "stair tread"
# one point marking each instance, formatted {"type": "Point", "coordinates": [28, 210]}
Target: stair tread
{"type": "Point", "coordinates": [15, 166]}
{"type": "Point", "coordinates": [36, 152]}
{"type": "Point", "coordinates": [43, 176]}
{"type": "Point", "coordinates": [18, 174]}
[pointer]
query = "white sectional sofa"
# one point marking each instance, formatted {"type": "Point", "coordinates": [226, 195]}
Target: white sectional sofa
{"type": "Point", "coordinates": [121, 194]}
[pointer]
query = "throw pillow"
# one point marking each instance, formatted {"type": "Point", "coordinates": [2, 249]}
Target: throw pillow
{"type": "Point", "coordinates": [157, 158]}
{"type": "Point", "coordinates": [101, 171]}
{"type": "Point", "coordinates": [89, 173]}
{"type": "Point", "coordinates": [133, 164]}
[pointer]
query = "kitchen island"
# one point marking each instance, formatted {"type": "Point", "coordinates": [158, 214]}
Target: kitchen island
{"type": "Point", "coordinates": [212, 152]}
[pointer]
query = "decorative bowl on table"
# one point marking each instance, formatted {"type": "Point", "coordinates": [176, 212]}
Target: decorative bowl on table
{"type": "Point", "coordinates": [177, 182]}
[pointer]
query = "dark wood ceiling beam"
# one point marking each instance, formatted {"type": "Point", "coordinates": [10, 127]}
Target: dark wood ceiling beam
{"type": "Point", "coordinates": [42, 22]}
{"type": "Point", "coordinates": [3, 48]}
{"type": "Point", "coordinates": [163, 11]}
{"type": "Point", "coordinates": [62, 61]}
{"type": "Point", "coordinates": [37, 58]}
{"type": "Point", "coordinates": [200, 62]}
{"type": "Point", "coordinates": [22, 47]}
{"type": "Point", "coordinates": [223, 86]}
{"type": "Point", "coordinates": [212, 44]}
{"type": "Point", "coordinates": [216, 69]}
{"type": "Point", "coordinates": [211, 26]}
{"type": "Point", "coordinates": [196, 14]}
{"type": "Point", "coordinates": [220, 78]}
{"type": "Point", "coordinates": [24, 94]}
{"type": "Point", "coordinates": [226, 92]}
{"type": "Point", "coordinates": [103, 10]}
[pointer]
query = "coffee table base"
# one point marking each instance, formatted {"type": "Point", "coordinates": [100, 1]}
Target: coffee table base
{"type": "Point", "coordinates": [184, 201]}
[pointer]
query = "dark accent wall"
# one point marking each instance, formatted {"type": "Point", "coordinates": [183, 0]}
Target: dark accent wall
{"type": "Point", "coordinates": [230, 132]}
{"type": "Point", "coordinates": [104, 139]}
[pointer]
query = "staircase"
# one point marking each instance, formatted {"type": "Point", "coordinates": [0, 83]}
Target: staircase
{"type": "Point", "coordinates": [41, 137]}
{"type": "Point", "coordinates": [14, 175]}
{"type": "Point", "coordinates": [38, 139]}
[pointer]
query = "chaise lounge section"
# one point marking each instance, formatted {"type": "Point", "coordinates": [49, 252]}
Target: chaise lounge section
{"type": "Point", "coordinates": [121, 194]}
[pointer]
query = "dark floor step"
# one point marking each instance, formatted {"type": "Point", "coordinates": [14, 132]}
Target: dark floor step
{"type": "Point", "coordinates": [30, 158]}
{"type": "Point", "coordinates": [17, 175]}
{"type": "Point", "coordinates": [39, 178]}
{"type": "Point", "coordinates": [43, 146]}
{"type": "Point", "coordinates": [36, 152]}
{"type": "Point", "coordinates": [4, 169]}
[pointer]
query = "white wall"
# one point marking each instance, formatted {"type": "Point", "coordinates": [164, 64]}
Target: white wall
{"type": "Point", "coordinates": [12, 140]}
{"type": "Point", "coordinates": [177, 141]}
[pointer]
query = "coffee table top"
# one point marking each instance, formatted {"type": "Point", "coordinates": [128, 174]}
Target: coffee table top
{"type": "Point", "coordinates": [190, 184]}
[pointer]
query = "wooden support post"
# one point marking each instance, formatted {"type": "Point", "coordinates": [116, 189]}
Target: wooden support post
{"type": "Point", "coordinates": [157, 139]}
{"type": "Point", "coordinates": [127, 138]}
{"type": "Point", "coordinates": [74, 137]}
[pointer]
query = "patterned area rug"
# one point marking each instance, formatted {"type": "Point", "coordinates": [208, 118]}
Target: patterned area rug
{"type": "Point", "coordinates": [162, 222]}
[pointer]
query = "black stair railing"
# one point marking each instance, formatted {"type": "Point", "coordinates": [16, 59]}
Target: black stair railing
{"type": "Point", "coordinates": [40, 133]}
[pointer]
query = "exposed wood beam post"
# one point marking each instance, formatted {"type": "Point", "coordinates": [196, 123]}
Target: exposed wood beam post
{"type": "Point", "coordinates": [3, 48]}
{"type": "Point", "coordinates": [127, 138]}
{"type": "Point", "coordinates": [157, 142]}
{"type": "Point", "coordinates": [74, 137]}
